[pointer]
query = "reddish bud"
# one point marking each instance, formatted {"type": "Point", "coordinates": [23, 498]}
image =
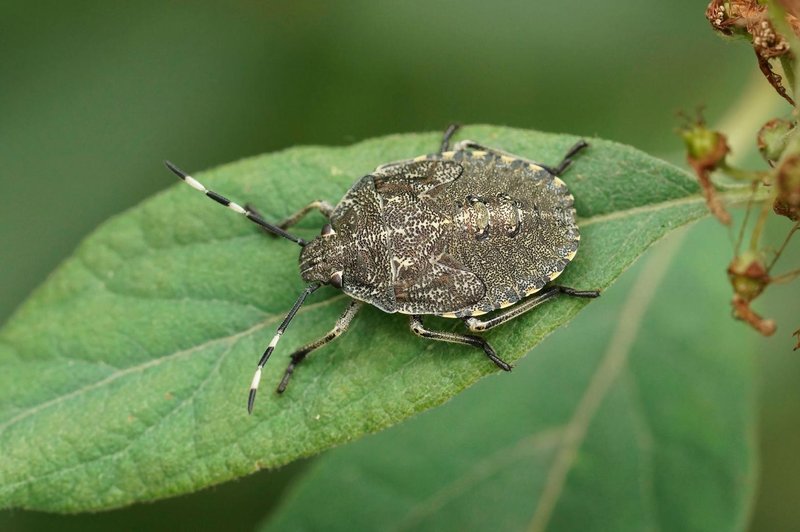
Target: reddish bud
{"type": "Point", "coordinates": [706, 152]}
{"type": "Point", "coordinates": [748, 275]}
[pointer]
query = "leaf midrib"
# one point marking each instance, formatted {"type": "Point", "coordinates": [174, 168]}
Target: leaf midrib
{"type": "Point", "coordinates": [696, 199]}
{"type": "Point", "coordinates": [732, 196]}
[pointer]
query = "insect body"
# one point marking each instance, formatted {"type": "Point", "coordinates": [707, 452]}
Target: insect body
{"type": "Point", "coordinates": [459, 233]}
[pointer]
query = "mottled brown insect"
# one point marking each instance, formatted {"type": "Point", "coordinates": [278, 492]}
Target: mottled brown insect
{"type": "Point", "coordinates": [457, 234]}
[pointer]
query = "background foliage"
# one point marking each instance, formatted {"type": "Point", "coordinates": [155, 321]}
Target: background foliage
{"type": "Point", "coordinates": [94, 96]}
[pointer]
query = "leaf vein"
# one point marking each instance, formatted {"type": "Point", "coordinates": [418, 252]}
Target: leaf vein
{"type": "Point", "coordinates": [155, 362]}
{"type": "Point", "coordinates": [735, 196]}
{"type": "Point", "coordinates": [645, 441]}
{"type": "Point", "coordinates": [111, 456]}
{"type": "Point", "coordinates": [528, 446]}
{"type": "Point", "coordinates": [613, 362]}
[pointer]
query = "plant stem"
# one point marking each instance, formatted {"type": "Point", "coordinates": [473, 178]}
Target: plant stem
{"type": "Point", "coordinates": [777, 15]}
{"type": "Point", "coordinates": [742, 175]}
{"type": "Point", "coordinates": [788, 69]}
{"type": "Point", "coordinates": [737, 248]}
{"type": "Point", "coordinates": [792, 231]}
{"type": "Point", "coordinates": [786, 277]}
{"type": "Point", "coordinates": [755, 238]}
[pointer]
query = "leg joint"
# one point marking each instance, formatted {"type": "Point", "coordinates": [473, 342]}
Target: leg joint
{"type": "Point", "coordinates": [475, 324]}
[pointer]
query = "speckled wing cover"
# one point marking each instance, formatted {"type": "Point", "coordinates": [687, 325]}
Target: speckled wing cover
{"type": "Point", "coordinates": [456, 234]}
{"type": "Point", "coordinates": [513, 262]}
{"type": "Point", "coordinates": [426, 277]}
{"type": "Point", "coordinates": [367, 271]}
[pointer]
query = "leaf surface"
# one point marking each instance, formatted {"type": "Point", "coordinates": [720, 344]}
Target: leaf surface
{"type": "Point", "coordinates": [640, 417]}
{"type": "Point", "coordinates": [124, 377]}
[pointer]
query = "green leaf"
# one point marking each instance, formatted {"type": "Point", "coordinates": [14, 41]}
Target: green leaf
{"type": "Point", "coordinates": [124, 377]}
{"type": "Point", "coordinates": [640, 417]}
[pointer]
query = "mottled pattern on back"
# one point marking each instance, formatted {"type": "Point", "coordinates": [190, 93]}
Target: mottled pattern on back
{"type": "Point", "coordinates": [424, 274]}
{"type": "Point", "coordinates": [367, 270]}
{"type": "Point", "coordinates": [531, 232]}
{"type": "Point", "coordinates": [415, 177]}
{"type": "Point", "coordinates": [457, 234]}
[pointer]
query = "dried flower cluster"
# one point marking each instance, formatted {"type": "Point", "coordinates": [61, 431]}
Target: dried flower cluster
{"type": "Point", "coordinates": [777, 188]}
{"type": "Point", "coordinates": [749, 19]}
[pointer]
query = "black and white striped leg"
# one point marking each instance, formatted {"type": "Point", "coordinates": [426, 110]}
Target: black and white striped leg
{"type": "Point", "coordinates": [235, 207]}
{"type": "Point", "coordinates": [476, 341]}
{"type": "Point", "coordinates": [448, 134]}
{"type": "Point", "coordinates": [557, 171]}
{"type": "Point", "coordinates": [275, 339]}
{"type": "Point", "coordinates": [535, 300]}
{"type": "Point", "coordinates": [298, 356]}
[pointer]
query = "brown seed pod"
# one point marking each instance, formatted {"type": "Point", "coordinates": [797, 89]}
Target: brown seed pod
{"type": "Point", "coordinates": [787, 189]}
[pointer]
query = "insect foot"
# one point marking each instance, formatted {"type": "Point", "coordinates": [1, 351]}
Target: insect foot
{"type": "Point", "coordinates": [420, 330]}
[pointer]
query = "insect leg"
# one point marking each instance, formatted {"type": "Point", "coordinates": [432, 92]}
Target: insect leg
{"type": "Point", "coordinates": [567, 160]}
{"type": "Point", "coordinates": [448, 134]}
{"type": "Point", "coordinates": [235, 207]}
{"type": "Point", "coordinates": [472, 145]}
{"type": "Point", "coordinates": [537, 299]}
{"type": "Point", "coordinates": [298, 356]}
{"type": "Point", "coordinates": [462, 145]}
{"type": "Point", "coordinates": [476, 341]}
{"type": "Point", "coordinates": [322, 206]}
{"type": "Point", "coordinates": [443, 147]}
{"type": "Point", "coordinates": [557, 171]}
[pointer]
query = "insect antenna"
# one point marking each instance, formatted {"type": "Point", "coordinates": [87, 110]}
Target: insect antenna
{"type": "Point", "coordinates": [222, 200]}
{"type": "Point", "coordinates": [251, 399]}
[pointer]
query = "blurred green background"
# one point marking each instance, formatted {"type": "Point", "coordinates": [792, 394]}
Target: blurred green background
{"type": "Point", "coordinates": [94, 95]}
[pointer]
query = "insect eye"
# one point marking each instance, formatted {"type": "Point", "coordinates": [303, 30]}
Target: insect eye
{"type": "Point", "coordinates": [327, 230]}
{"type": "Point", "coordinates": [336, 279]}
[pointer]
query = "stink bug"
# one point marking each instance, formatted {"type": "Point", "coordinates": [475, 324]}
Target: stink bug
{"type": "Point", "coordinates": [458, 233]}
